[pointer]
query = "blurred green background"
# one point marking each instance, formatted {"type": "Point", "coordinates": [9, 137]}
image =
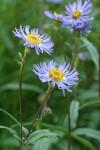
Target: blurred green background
{"type": "Point", "coordinates": [31, 12]}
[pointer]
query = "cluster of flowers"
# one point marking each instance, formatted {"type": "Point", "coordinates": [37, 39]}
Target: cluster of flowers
{"type": "Point", "coordinates": [77, 16]}
{"type": "Point", "coordinates": [63, 76]}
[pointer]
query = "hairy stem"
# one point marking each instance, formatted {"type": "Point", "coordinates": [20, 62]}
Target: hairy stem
{"type": "Point", "coordinates": [75, 50]}
{"type": "Point", "coordinates": [49, 90]}
{"type": "Point", "coordinates": [20, 92]}
{"type": "Point", "coordinates": [69, 123]}
{"type": "Point", "coordinates": [21, 145]}
{"type": "Point", "coordinates": [99, 72]}
{"type": "Point", "coordinates": [42, 113]}
{"type": "Point", "coordinates": [73, 64]}
{"type": "Point", "coordinates": [61, 40]}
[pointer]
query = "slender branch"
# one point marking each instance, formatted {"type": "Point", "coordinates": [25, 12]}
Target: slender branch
{"type": "Point", "coordinates": [39, 110]}
{"type": "Point", "coordinates": [75, 94]}
{"type": "Point", "coordinates": [42, 113]}
{"type": "Point", "coordinates": [69, 122]}
{"type": "Point", "coordinates": [21, 145]}
{"type": "Point", "coordinates": [61, 40]}
{"type": "Point", "coordinates": [20, 92]}
{"type": "Point", "coordinates": [74, 59]}
{"type": "Point", "coordinates": [99, 71]}
{"type": "Point", "coordinates": [75, 50]}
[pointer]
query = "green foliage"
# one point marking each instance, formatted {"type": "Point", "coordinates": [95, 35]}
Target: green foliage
{"type": "Point", "coordinates": [13, 132]}
{"type": "Point", "coordinates": [74, 136]}
{"type": "Point", "coordinates": [95, 102]}
{"type": "Point", "coordinates": [74, 108]}
{"type": "Point", "coordinates": [92, 133]}
{"type": "Point", "coordinates": [25, 86]}
{"type": "Point", "coordinates": [14, 119]}
{"type": "Point", "coordinates": [39, 134]}
{"type": "Point", "coordinates": [92, 51]}
{"type": "Point", "coordinates": [85, 118]}
{"type": "Point", "coordinates": [42, 144]}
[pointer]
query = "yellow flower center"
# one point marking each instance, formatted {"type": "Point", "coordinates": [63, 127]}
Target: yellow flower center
{"type": "Point", "coordinates": [76, 14]}
{"type": "Point", "coordinates": [57, 15]}
{"type": "Point", "coordinates": [33, 39]}
{"type": "Point", "coordinates": [56, 74]}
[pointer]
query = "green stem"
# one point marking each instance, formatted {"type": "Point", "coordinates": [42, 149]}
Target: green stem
{"type": "Point", "coordinates": [20, 88]}
{"type": "Point", "coordinates": [61, 40]}
{"type": "Point", "coordinates": [69, 123]}
{"type": "Point", "coordinates": [75, 59]}
{"type": "Point", "coordinates": [42, 112]}
{"type": "Point", "coordinates": [21, 145]}
{"type": "Point", "coordinates": [75, 50]}
{"type": "Point", "coordinates": [99, 71]}
{"type": "Point", "coordinates": [49, 90]}
{"type": "Point", "coordinates": [20, 93]}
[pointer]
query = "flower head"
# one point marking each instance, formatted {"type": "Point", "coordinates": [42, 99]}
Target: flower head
{"type": "Point", "coordinates": [32, 39]}
{"type": "Point", "coordinates": [55, 16]}
{"type": "Point", "coordinates": [78, 13]}
{"type": "Point", "coordinates": [83, 28]}
{"type": "Point", "coordinates": [61, 76]}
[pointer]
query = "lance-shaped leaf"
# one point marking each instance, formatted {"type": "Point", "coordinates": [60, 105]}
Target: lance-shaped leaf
{"type": "Point", "coordinates": [74, 108]}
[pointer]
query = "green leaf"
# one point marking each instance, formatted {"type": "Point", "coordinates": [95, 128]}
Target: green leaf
{"type": "Point", "coordinates": [91, 103]}
{"type": "Point", "coordinates": [10, 116]}
{"type": "Point", "coordinates": [9, 141]}
{"type": "Point", "coordinates": [89, 94]}
{"type": "Point", "coordinates": [42, 144]}
{"type": "Point", "coordinates": [37, 135]}
{"type": "Point", "coordinates": [74, 108]}
{"type": "Point", "coordinates": [77, 138]}
{"type": "Point", "coordinates": [23, 128]}
{"type": "Point", "coordinates": [69, 46]}
{"type": "Point", "coordinates": [83, 141]}
{"type": "Point", "coordinates": [15, 86]}
{"type": "Point", "coordinates": [91, 133]}
{"type": "Point", "coordinates": [18, 62]}
{"type": "Point", "coordinates": [20, 55]}
{"type": "Point", "coordinates": [45, 142]}
{"type": "Point", "coordinates": [13, 132]}
{"type": "Point", "coordinates": [92, 51]}
{"type": "Point", "coordinates": [82, 46]}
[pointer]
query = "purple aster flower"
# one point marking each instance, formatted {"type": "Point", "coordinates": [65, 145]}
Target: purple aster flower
{"type": "Point", "coordinates": [78, 13]}
{"type": "Point", "coordinates": [83, 28]}
{"type": "Point", "coordinates": [63, 76]}
{"type": "Point", "coordinates": [55, 16]}
{"type": "Point", "coordinates": [55, 1]}
{"type": "Point", "coordinates": [32, 39]}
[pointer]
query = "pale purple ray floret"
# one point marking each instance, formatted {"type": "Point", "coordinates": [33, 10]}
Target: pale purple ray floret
{"type": "Point", "coordinates": [32, 38]}
{"type": "Point", "coordinates": [78, 14]}
{"type": "Point", "coordinates": [54, 15]}
{"type": "Point", "coordinates": [63, 76]}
